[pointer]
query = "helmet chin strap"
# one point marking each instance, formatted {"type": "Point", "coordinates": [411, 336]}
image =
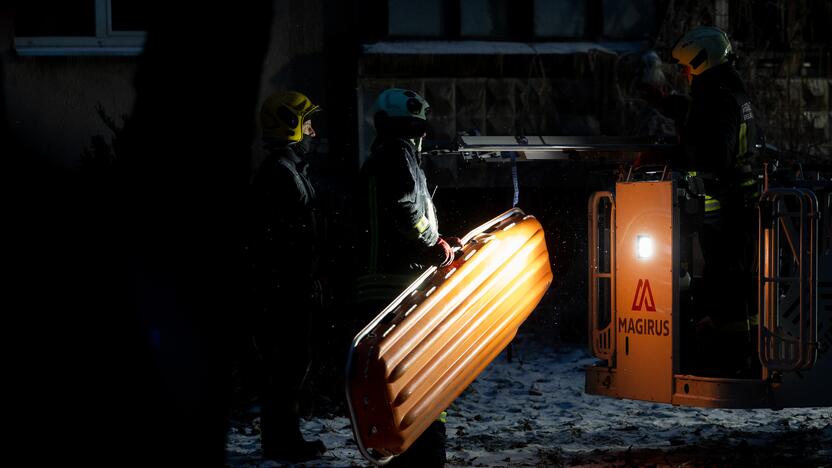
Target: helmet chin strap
{"type": "Point", "coordinates": [417, 142]}
{"type": "Point", "coordinates": [304, 146]}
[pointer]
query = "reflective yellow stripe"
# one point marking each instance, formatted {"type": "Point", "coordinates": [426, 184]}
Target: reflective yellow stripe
{"type": "Point", "coordinates": [743, 140]}
{"type": "Point", "coordinates": [443, 417]}
{"type": "Point", "coordinates": [691, 173]}
{"type": "Point", "coordinates": [711, 204]}
{"type": "Point", "coordinates": [748, 183]}
{"type": "Point", "coordinates": [754, 320]}
{"type": "Point", "coordinates": [422, 225]}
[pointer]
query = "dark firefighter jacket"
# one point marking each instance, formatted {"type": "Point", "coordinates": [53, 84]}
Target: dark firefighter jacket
{"type": "Point", "coordinates": [397, 222]}
{"type": "Point", "coordinates": [720, 137]}
{"type": "Point", "coordinates": [284, 235]}
{"type": "Point", "coordinates": [721, 133]}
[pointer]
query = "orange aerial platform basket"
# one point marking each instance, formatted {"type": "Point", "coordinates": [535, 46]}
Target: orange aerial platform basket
{"type": "Point", "coordinates": [410, 363]}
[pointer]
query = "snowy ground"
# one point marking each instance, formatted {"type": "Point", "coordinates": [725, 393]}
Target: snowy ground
{"type": "Point", "coordinates": [532, 411]}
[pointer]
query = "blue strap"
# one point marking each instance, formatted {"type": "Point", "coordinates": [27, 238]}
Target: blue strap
{"type": "Point", "coordinates": [514, 179]}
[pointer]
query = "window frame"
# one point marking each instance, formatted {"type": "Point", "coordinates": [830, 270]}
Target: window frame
{"type": "Point", "coordinates": [106, 41]}
{"type": "Point", "coordinates": [521, 24]}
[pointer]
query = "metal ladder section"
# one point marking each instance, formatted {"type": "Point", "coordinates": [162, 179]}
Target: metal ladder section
{"type": "Point", "coordinates": [601, 238]}
{"type": "Point", "coordinates": [787, 282]}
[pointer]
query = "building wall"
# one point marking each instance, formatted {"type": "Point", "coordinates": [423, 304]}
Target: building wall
{"type": "Point", "coordinates": [51, 101]}
{"type": "Point", "coordinates": [568, 93]}
{"type": "Point", "coordinates": [295, 59]}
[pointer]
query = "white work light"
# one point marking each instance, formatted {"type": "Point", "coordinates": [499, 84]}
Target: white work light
{"type": "Point", "coordinates": [644, 247]}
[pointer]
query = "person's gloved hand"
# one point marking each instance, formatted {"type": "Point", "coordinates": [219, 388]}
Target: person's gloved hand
{"type": "Point", "coordinates": [441, 254]}
{"type": "Point", "coordinates": [454, 242]}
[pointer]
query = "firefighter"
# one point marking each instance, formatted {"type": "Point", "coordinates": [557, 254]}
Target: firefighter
{"type": "Point", "coordinates": [399, 232]}
{"type": "Point", "coordinates": [719, 139]}
{"type": "Point", "coordinates": [285, 248]}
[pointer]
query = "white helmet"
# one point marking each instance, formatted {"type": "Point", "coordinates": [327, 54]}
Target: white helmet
{"type": "Point", "coordinates": [702, 49]}
{"type": "Point", "coordinates": [401, 112]}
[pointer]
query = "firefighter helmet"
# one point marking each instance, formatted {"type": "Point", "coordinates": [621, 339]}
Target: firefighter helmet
{"type": "Point", "coordinates": [401, 112]}
{"type": "Point", "coordinates": [283, 113]}
{"type": "Point", "coordinates": [701, 49]}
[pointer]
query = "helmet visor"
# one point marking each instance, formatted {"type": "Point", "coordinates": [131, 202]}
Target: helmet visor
{"type": "Point", "coordinates": [307, 128]}
{"type": "Point", "coordinates": [318, 119]}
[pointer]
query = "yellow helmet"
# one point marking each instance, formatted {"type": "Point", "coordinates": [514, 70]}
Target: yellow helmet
{"type": "Point", "coordinates": [283, 113]}
{"type": "Point", "coordinates": [701, 49]}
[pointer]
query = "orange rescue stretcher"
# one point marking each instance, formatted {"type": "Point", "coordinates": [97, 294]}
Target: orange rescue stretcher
{"type": "Point", "coordinates": [410, 362]}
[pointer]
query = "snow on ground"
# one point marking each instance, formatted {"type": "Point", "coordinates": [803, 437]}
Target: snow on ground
{"type": "Point", "coordinates": [533, 411]}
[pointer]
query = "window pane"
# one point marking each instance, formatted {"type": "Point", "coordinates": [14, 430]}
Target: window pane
{"type": "Point", "coordinates": [34, 18]}
{"type": "Point", "coordinates": [128, 15]}
{"type": "Point", "coordinates": [559, 18]}
{"type": "Point", "coordinates": [421, 18]}
{"type": "Point", "coordinates": [484, 18]}
{"type": "Point", "coordinates": [629, 19]}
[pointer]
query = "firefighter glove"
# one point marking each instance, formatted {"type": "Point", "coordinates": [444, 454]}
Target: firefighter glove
{"type": "Point", "coordinates": [441, 254]}
{"type": "Point", "coordinates": [454, 242]}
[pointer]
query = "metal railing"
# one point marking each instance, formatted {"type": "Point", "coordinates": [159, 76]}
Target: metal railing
{"type": "Point", "coordinates": [787, 281]}
{"type": "Point", "coordinates": [601, 269]}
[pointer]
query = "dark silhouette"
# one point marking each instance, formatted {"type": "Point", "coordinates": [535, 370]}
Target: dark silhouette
{"type": "Point", "coordinates": [399, 233]}
{"type": "Point", "coordinates": [719, 138]}
{"type": "Point", "coordinates": [174, 217]}
{"type": "Point", "coordinates": [285, 246]}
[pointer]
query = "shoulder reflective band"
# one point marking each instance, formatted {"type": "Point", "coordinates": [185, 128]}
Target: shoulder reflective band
{"type": "Point", "coordinates": [743, 140]}
{"type": "Point", "coordinates": [711, 204]}
{"type": "Point", "coordinates": [422, 225]}
{"type": "Point", "coordinates": [443, 417]}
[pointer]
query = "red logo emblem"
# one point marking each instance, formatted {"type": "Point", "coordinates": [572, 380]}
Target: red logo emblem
{"type": "Point", "coordinates": [644, 297]}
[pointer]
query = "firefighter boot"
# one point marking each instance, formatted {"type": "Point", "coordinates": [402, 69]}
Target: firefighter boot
{"type": "Point", "coordinates": [427, 452]}
{"type": "Point", "coordinates": [280, 434]}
